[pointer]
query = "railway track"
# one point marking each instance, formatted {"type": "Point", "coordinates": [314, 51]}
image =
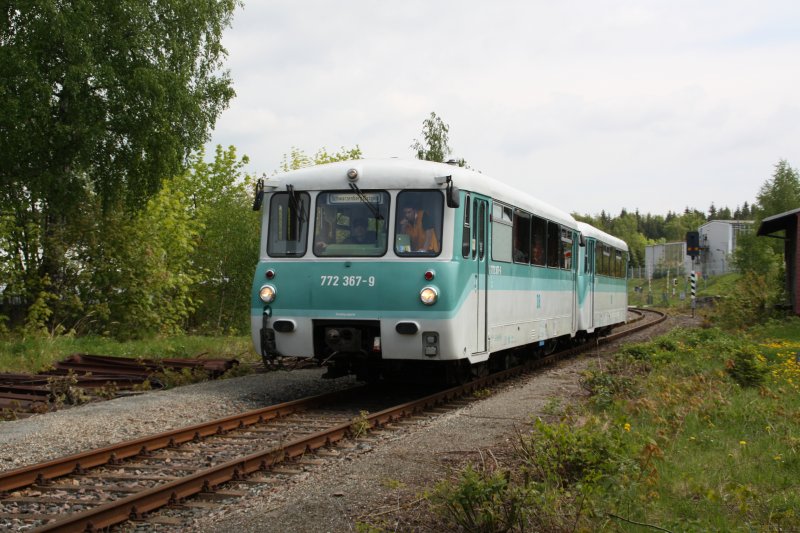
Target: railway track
{"type": "Point", "coordinates": [111, 485]}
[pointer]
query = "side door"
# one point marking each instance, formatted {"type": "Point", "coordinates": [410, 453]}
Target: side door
{"type": "Point", "coordinates": [481, 263]}
{"type": "Point", "coordinates": [589, 271]}
{"type": "Point", "coordinates": [575, 268]}
{"type": "Point", "coordinates": [475, 254]}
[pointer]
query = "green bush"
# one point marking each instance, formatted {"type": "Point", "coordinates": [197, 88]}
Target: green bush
{"type": "Point", "coordinates": [638, 351]}
{"type": "Point", "coordinates": [746, 367]}
{"type": "Point", "coordinates": [752, 302]}
{"type": "Point", "coordinates": [481, 501]}
{"type": "Point", "coordinates": [654, 351]}
{"type": "Point", "coordinates": [565, 454]}
{"type": "Point", "coordinates": [605, 386]}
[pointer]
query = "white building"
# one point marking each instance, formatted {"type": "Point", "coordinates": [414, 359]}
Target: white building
{"type": "Point", "coordinates": [718, 242]}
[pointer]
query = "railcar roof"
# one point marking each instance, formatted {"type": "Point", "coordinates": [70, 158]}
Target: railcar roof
{"type": "Point", "coordinates": [590, 231]}
{"type": "Point", "coordinates": [414, 174]}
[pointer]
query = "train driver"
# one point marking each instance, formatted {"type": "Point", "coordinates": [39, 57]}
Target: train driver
{"type": "Point", "coordinates": [420, 229]}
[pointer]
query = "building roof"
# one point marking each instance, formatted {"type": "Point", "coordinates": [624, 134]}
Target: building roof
{"type": "Point", "coordinates": [777, 222]}
{"type": "Point", "coordinates": [729, 222]}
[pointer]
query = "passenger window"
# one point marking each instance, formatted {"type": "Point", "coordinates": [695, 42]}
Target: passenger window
{"type": "Point", "coordinates": [522, 237]}
{"type": "Point", "coordinates": [538, 241]}
{"type": "Point", "coordinates": [501, 233]}
{"type": "Point", "coordinates": [566, 249]}
{"type": "Point", "coordinates": [553, 244]}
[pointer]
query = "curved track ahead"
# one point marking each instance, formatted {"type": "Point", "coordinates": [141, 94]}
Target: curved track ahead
{"type": "Point", "coordinates": [131, 478]}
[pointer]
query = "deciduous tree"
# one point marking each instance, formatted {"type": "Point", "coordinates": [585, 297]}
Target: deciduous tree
{"type": "Point", "coordinates": [297, 158]}
{"type": "Point", "coordinates": [101, 101]}
{"type": "Point", "coordinates": [435, 143]}
{"type": "Point", "coordinates": [226, 251]}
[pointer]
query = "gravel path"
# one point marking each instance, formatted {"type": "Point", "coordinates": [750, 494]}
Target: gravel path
{"type": "Point", "coordinates": [404, 464]}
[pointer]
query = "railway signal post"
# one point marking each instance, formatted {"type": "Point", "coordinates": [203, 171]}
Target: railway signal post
{"type": "Point", "coordinates": [693, 251]}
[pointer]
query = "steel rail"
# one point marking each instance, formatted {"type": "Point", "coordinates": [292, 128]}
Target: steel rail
{"type": "Point", "coordinates": [206, 480]}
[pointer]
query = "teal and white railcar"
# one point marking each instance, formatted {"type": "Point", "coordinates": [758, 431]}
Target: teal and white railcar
{"type": "Point", "coordinates": [385, 266]}
{"type": "Point", "coordinates": [602, 285]}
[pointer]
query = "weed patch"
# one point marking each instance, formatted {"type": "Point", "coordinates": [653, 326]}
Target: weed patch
{"type": "Point", "coordinates": [169, 378]}
{"type": "Point", "coordinates": [64, 390]}
{"type": "Point", "coordinates": [360, 425]}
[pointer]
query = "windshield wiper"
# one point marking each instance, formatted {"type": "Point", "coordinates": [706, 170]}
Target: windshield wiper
{"type": "Point", "coordinates": [375, 212]}
{"type": "Point", "coordinates": [296, 204]}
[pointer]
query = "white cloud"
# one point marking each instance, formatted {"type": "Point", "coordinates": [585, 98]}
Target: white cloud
{"type": "Point", "coordinates": [590, 105]}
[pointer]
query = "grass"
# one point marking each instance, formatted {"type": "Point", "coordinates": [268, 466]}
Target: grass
{"type": "Point", "coordinates": [729, 458]}
{"type": "Point", "coordinates": [33, 354]}
{"type": "Point", "coordinates": [698, 430]}
{"type": "Point", "coordinates": [714, 286]}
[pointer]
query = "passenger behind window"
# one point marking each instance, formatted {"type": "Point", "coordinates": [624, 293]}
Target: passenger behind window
{"type": "Point", "coordinates": [419, 226]}
{"type": "Point", "coordinates": [538, 254]}
{"type": "Point", "coordinates": [323, 237]}
{"type": "Point", "coordinates": [359, 233]}
{"type": "Point", "coordinates": [520, 255]}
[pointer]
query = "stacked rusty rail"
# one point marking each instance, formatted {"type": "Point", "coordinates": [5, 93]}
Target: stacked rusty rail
{"type": "Point", "coordinates": [22, 394]}
{"type": "Point", "coordinates": [311, 433]}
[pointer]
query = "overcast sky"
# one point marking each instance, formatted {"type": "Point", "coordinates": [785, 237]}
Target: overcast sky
{"type": "Point", "coordinates": [588, 105]}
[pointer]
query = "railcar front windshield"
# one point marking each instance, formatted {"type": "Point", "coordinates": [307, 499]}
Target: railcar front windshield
{"type": "Point", "coordinates": [418, 226]}
{"type": "Point", "coordinates": [351, 224]}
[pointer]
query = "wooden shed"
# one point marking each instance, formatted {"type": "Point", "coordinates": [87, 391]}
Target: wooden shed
{"type": "Point", "coordinates": [788, 223]}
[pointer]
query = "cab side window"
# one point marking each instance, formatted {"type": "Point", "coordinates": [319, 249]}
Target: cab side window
{"type": "Point", "coordinates": [288, 224]}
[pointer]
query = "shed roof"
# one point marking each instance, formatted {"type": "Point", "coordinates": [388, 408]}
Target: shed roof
{"type": "Point", "coordinates": [776, 222]}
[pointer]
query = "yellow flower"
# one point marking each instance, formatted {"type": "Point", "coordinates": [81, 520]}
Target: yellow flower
{"type": "Point", "coordinates": [743, 442]}
{"type": "Point", "coordinates": [626, 427]}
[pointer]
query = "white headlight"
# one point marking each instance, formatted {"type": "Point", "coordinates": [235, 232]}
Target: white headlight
{"type": "Point", "coordinates": [267, 294]}
{"type": "Point", "coordinates": [429, 295]}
